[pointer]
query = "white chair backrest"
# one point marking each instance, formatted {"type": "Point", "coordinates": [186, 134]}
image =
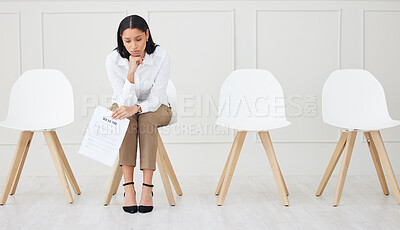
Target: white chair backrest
{"type": "Point", "coordinates": [253, 100]}
{"type": "Point", "coordinates": [353, 98]}
{"type": "Point", "coordinates": [172, 99]}
{"type": "Point", "coordinates": [40, 99]}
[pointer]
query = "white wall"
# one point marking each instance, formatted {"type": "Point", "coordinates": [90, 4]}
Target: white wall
{"type": "Point", "coordinates": [300, 42]}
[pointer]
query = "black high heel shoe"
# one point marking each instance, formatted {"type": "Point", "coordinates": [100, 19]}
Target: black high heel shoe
{"type": "Point", "coordinates": [130, 209]}
{"type": "Point", "coordinates": [145, 209]}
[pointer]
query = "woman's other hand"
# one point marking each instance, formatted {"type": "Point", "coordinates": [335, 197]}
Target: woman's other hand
{"type": "Point", "coordinates": [124, 112]}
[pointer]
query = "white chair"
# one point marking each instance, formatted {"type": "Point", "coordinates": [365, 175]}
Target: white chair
{"type": "Point", "coordinates": [251, 100]}
{"type": "Point", "coordinates": [40, 100]}
{"type": "Point", "coordinates": [165, 168]}
{"type": "Point", "coordinates": [354, 100]}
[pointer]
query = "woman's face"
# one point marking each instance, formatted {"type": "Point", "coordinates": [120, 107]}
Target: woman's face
{"type": "Point", "coordinates": [135, 41]}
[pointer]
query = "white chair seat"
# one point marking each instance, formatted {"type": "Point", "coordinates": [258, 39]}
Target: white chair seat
{"type": "Point", "coordinates": [257, 125]}
{"type": "Point", "coordinates": [354, 99]}
{"type": "Point", "coordinates": [41, 99]}
{"type": "Point", "coordinates": [26, 126]}
{"type": "Point", "coordinates": [252, 100]}
{"type": "Point", "coordinates": [366, 125]}
{"type": "Point", "coordinates": [173, 102]}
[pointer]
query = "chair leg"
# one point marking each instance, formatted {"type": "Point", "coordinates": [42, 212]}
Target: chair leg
{"type": "Point", "coordinates": [21, 163]}
{"type": "Point", "coordinates": [280, 172]}
{"type": "Point", "coordinates": [332, 163]}
{"type": "Point", "coordinates": [168, 167]}
{"type": "Point", "coordinates": [221, 179]}
{"type": "Point", "coordinates": [66, 166]}
{"type": "Point", "coordinates": [164, 177]}
{"type": "Point", "coordinates": [345, 165]}
{"type": "Point", "coordinates": [266, 141]}
{"type": "Point", "coordinates": [114, 182]}
{"type": "Point", "coordinates": [52, 144]}
{"type": "Point", "coordinates": [377, 163]}
{"type": "Point", "coordinates": [237, 146]}
{"type": "Point", "coordinates": [18, 155]}
{"type": "Point", "coordinates": [118, 180]}
{"type": "Point", "coordinates": [380, 146]}
{"type": "Point", "coordinates": [284, 184]}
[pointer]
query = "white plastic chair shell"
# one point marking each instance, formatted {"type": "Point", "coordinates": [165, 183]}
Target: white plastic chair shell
{"type": "Point", "coordinates": [172, 99]}
{"type": "Point", "coordinates": [251, 100]}
{"type": "Point", "coordinates": [354, 99]}
{"type": "Point", "coordinates": [40, 99]}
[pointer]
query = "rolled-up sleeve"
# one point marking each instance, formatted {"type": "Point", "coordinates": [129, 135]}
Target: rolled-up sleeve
{"type": "Point", "coordinates": [159, 90]}
{"type": "Point", "coordinates": [124, 91]}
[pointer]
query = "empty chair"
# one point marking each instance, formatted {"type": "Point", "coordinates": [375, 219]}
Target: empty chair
{"type": "Point", "coordinates": [165, 168]}
{"type": "Point", "coordinates": [354, 101]}
{"type": "Point", "coordinates": [40, 100]}
{"type": "Point", "coordinates": [251, 100]}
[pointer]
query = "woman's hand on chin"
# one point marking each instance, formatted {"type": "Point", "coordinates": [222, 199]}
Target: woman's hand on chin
{"type": "Point", "coordinates": [125, 112]}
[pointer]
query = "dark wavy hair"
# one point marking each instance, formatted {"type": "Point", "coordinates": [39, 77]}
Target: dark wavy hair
{"type": "Point", "coordinates": [133, 22]}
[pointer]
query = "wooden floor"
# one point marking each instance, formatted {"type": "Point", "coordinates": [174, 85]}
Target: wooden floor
{"type": "Point", "coordinates": [252, 203]}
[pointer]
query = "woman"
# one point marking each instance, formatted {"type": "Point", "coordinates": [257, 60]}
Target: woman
{"type": "Point", "coordinates": [138, 71]}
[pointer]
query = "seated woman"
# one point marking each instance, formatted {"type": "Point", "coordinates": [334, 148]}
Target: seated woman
{"type": "Point", "coordinates": [138, 71]}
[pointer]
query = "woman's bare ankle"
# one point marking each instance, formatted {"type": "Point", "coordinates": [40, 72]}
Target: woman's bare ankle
{"type": "Point", "coordinates": [130, 196]}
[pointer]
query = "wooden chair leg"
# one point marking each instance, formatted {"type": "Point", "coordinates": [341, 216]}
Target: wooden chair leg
{"type": "Point", "coordinates": [118, 179]}
{"type": "Point", "coordinates": [380, 146]}
{"type": "Point", "coordinates": [221, 179]}
{"type": "Point", "coordinates": [52, 144]}
{"type": "Point", "coordinates": [266, 141]}
{"type": "Point", "coordinates": [18, 154]}
{"type": "Point", "coordinates": [332, 163]}
{"type": "Point", "coordinates": [21, 163]}
{"type": "Point", "coordinates": [237, 146]}
{"type": "Point", "coordinates": [345, 165]}
{"type": "Point", "coordinates": [280, 172]}
{"type": "Point", "coordinates": [284, 184]}
{"type": "Point", "coordinates": [377, 163]}
{"type": "Point", "coordinates": [66, 166]}
{"type": "Point", "coordinates": [164, 177]}
{"type": "Point", "coordinates": [114, 182]}
{"type": "Point", "coordinates": [168, 167]}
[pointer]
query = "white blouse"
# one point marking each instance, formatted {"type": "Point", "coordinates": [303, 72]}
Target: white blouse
{"type": "Point", "coordinates": [151, 80]}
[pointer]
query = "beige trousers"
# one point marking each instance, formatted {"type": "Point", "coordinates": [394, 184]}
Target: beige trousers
{"type": "Point", "coordinates": [143, 127]}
